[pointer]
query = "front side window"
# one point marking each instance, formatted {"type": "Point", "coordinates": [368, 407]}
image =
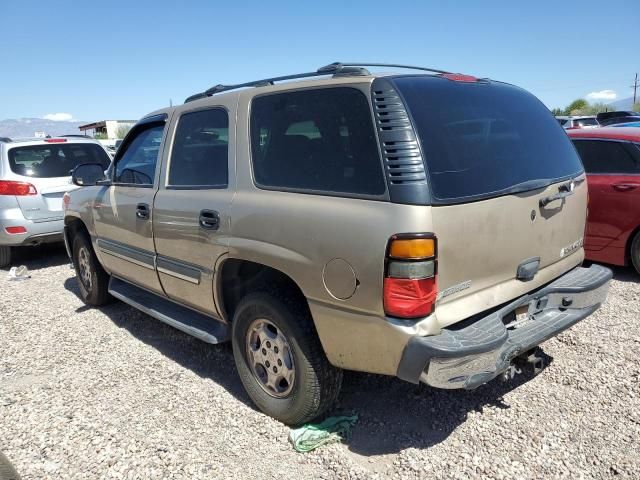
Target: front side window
{"type": "Point", "coordinates": [55, 159]}
{"type": "Point", "coordinates": [136, 164]}
{"type": "Point", "coordinates": [200, 150]}
{"type": "Point", "coordinates": [601, 156]}
{"type": "Point", "coordinates": [316, 140]}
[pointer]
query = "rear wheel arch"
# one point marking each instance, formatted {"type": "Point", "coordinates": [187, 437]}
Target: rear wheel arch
{"type": "Point", "coordinates": [238, 278]}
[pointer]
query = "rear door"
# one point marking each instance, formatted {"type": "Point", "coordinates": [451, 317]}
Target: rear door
{"type": "Point", "coordinates": [48, 167]}
{"type": "Point", "coordinates": [613, 169]}
{"type": "Point", "coordinates": [507, 189]}
{"type": "Point", "coordinates": [123, 211]}
{"type": "Point", "coordinates": [191, 219]}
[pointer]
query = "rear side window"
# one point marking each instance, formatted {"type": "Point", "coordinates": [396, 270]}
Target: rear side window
{"type": "Point", "coordinates": [55, 159]}
{"type": "Point", "coordinates": [316, 140]}
{"type": "Point", "coordinates": [601, 156]}
{"type": "Point", "coordinates": [484, 139]}
{"type": "Point", "coordinates": [587, 122]}
{"type": "Point", "coordinates": [200, 150]}
{"type": "Point", "coordinates": [136, 164]}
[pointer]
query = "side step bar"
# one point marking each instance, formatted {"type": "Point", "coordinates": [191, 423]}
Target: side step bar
{"type": "Point", "coordinates": [206, 328]}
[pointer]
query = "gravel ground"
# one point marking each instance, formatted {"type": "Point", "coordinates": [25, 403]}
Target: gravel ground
{"type": "Point", "coordinates": [112, 393]}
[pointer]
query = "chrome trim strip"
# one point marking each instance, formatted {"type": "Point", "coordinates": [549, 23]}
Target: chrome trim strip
{"type": "Point", "coordinates": [178, 275]}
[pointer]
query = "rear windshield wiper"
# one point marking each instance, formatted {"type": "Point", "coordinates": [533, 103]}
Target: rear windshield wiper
{"type": "Point", "coordinates": [527, 186]}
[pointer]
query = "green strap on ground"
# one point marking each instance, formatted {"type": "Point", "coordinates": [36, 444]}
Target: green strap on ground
{"type": "Point", "coordinates": [311, 436]}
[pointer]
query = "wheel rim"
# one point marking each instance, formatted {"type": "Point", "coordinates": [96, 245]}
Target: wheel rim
{"type": "Point", "coordinates": [85, 267]}
{"type": "Point", "coordinates": [270, 358]}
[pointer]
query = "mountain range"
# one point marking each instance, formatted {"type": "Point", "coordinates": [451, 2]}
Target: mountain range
{"type": "Point", "coordinates": [26, 127]}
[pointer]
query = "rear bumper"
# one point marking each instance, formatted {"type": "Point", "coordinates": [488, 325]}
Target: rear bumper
{"type": "Point", "coordinates": [36, 232]}
{"type": "Point", "coordinates": [471, 353]}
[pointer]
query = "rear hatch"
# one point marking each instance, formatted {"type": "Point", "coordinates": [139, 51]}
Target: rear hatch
{"type": "Point", "coordinates": [48, 168]}
{"type": "Point", "coordinates": [508, 191]}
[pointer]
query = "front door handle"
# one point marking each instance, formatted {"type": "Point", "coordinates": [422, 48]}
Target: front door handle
{"type": "Point", "coordinates": [209, 219]}
{"type": "Point", "coordinates": [625, 187]}
{"type": "Point", "coordinates": [142, 211]}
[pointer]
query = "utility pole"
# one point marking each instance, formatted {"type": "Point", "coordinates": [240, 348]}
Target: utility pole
{"type": "Point", "coordinates": [635, 88]}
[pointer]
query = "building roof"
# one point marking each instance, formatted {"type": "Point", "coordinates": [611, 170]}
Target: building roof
{"type": "Point", "coordinates": [102, 123]}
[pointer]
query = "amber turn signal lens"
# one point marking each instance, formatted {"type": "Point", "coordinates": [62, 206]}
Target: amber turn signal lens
{"type": "Point", "coordinates": [413, 248]}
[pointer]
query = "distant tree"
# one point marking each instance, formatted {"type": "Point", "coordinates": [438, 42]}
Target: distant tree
{"type": "Point", "coordinates": [596, 108]}
{"type": "Point", "coordinates": [557, 111]}
{"type": "Point", "coordinates": [636, 107]}
{"type": "Point", "coordinates": [122, 131]}
{"type": "Point", "coordinates": [576, 107]}
{"type": "Point", "coordinates": [100, 136]}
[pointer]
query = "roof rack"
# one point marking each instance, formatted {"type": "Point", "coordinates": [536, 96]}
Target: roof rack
{"type": "Point", "coordinates": [5, 139]}
{"type": "Point", "coordinates": [75, 135]}
{"type": "Point", "coordinates": [335, 69]}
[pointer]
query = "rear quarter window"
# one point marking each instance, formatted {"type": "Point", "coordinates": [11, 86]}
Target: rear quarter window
{"type": "Point", "coordinates": [319, 140]}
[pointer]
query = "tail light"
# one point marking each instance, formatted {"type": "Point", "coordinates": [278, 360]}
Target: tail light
{"type": "Point", "coordinates": [20, 189]}
{"type": "Point", "coordinates": [410, 283]}
{"type": "Point", "coordinates": [66, 199]}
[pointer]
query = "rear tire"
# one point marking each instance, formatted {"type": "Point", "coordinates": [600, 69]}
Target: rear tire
{"type": "Point", "coordinates": [5, 256]}
{"type": "Point", "coordinates": [305, 383]}
{"type": "Point", "coordinates": [93, 281]}
{"type": "Point", "coordinates": [635, 252]}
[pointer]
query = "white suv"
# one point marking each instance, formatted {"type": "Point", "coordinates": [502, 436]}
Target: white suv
{"type": "Point", "coordinates": [570, 122]}
{"type": "Point", "coordinates": [34, 175]}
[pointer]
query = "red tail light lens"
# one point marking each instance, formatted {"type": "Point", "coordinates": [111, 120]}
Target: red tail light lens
{"type": "Point", "coordinates": [15, 230]}
{"type": "Point", "coordinates": [408, 298]}
{"type": "Point", "coordinates": [20, 189]}
{"type": "Point", "coordinates": [410, 283]}
{"type": "Point", "coordinates": [55, 140]}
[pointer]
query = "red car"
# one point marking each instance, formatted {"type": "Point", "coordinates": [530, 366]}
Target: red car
{"type": "Point", "coordinates": [611, 158]}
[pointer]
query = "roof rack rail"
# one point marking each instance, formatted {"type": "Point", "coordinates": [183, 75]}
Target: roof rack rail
{"type": "Point", "coordinates": [335, 69]}
{"type": "Point", "coordinates": [5, 140]}
{"type": "Point", "coordinates": [78, 135]}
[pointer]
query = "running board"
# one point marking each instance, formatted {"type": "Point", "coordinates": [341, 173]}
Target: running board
{"type": "Point", "coordinates": [206, 328]}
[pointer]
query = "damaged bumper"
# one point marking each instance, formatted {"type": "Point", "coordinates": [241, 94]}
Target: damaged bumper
{"type": "Point", "coordinates": [473, 352]}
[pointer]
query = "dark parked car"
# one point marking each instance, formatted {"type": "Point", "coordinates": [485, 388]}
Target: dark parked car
{"type": "Point", "coordinates": [609, 118]}
{"type": "Point", "coordinates": [611, 158]}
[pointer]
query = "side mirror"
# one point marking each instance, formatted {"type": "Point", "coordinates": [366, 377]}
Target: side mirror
{"type": "Point", "coordinates": [87, 174]}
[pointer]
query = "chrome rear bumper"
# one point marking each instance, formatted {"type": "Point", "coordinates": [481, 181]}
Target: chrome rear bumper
{"type": "Point", "coordinates": [474, 352]}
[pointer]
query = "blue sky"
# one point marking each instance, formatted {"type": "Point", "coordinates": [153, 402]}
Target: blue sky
{"type": "Point", "coordinates": [124, 59]}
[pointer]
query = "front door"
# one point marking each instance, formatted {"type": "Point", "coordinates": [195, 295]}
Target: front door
{"type": "Point", "coordinates": [123, 212]}
{"type": "Point", "coordinates": [191, 209]}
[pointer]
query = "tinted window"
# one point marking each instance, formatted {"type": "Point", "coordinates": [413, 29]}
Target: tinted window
{"type": "Point", "coordinates": [55, 159]}
{"type": "Point", "coordinates": [320, 140]}
{"type": "Point", "coordinates": [200, 150]}
{"type": "Point", "coordinates": [600, 156]}
{"type": "Point", "coordinates": [481, 139]}
{"type": "Point", "coordinates": [587, 122]}
{"type": "Point", "coordinates": [137, 162]}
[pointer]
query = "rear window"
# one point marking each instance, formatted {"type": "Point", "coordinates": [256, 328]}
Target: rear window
{"type": "Point", "coordinates": [587, 122]}
{"type": "Point", "coordinates": [55, 159]}
{"type": "Point", "coordinates": [317, 141]}
{"type": "Point", "coordinates": [482, 139]}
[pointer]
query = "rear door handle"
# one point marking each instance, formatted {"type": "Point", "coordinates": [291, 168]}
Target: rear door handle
{"type": "Point", "coordinates": [625, 187]}
{"type": "Point", "coordinates": [209, 219]}
{"type": "Point", "coordinates": [142, 211]}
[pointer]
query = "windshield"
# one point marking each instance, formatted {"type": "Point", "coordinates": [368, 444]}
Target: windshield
{"type": "Point", "coordinates": [55, 160]}
{"type": "Point", "coordinates": [481, 139]}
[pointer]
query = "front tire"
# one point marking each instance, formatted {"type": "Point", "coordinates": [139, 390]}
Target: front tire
{"type": "Point", "coordinates": [280, 360]}
{"type": "Point", "coordinates": [635, 252]}
{"type": "Point", "coordinates": [93, 281]}
{"type": "Point", "coordinates": [5, 256]}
